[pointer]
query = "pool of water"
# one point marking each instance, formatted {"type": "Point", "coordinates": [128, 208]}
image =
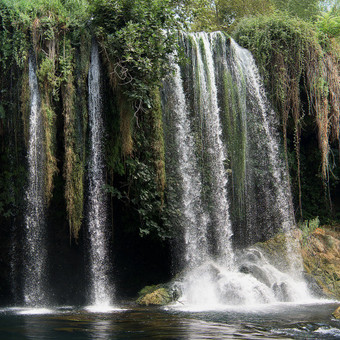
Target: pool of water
{"type": "Point", "coordinates": [283, 321]}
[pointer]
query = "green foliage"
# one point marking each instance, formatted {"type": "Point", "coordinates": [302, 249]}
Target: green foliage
{"type": "Point", "coordinates": [69, 12]}
{"type": "Point", "coordinates": [309, 226]}
{"type": "Point", "coordinates": [304, 9]}
{"type": "Point", "coordinates": [211, 15]}
{"type": "Point", "coordinates": [13, 40]}
{"type": "Point", "coordinates": [136, 37]}
{"type": "Point", "coordinates": [329, 23]}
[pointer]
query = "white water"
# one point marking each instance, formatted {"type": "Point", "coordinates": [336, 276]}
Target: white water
{"type": "Point", "coordinates": [277, 191]}
{"type": "Point", "coordinates": [213, 147]}
{"type": "Point", "coordinates": [194, 218]}
{"type": "Point", "coordinates": [100, 286]}
{"type": "Point", "coordinates": [244, 63]}
{"type": "Point", "coordinates": [222, 278]}
{"type": "Point", "coordinates": [34, 247]}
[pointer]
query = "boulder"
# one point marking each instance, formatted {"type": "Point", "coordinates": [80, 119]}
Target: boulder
{"type": "Point", "coordinates": [256, 272]}
{"type": "Point", "coordinates": [158, 295]}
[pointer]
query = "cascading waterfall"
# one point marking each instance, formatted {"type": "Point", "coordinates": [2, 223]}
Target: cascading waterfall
{"type": "Point", "coordinates": [101, 289]}
{"type": "Point", "coordinates": [34, 243]}
{"type": "Point", "coordinates": [264, 163]}
{"type": "Point", "coordinates": [194, 219]}
{"type": "Point", "coordinates": [223, 127]}
{"type": "Point", "coordinates": [213, 147]}
{"type": "Point", "coordinates": [263, 152]}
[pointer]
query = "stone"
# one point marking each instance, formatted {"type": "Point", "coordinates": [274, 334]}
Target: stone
{"type": "Point", "coordinates": [158, 297]}
{"type": "Point", "coordinates": [321, 256]}
{"type": "Point", "coordinates": [336, 313]}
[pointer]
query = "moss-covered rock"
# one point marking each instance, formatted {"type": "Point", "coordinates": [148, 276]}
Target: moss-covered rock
{"type": "Point", "coordinates": [156, 295]}
{"type": "Point", "coordinates": [276, 250]}
{"type": "Point", "coordinates": [320, 251]}
{"type": "Point", "coordinates": [321, 257]}
{"type": "Point", "coordinates": [336, 313]}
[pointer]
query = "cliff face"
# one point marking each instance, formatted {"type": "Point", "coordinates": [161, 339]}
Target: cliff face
{"type": "Point", "coordinates": [321, 257]}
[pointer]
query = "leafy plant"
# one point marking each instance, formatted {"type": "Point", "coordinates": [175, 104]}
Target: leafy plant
{"type": "Point", "coordinates": [309, 226]}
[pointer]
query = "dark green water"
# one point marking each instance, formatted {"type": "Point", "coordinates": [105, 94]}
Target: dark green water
{"type": "Point", "coordinates": [283, 321]}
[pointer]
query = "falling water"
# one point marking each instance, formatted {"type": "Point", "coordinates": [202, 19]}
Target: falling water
{"type": "Point", "coordinates": [213, 147]}
{"type": "Point", "coordinates": [263, 152]}
{"type": "Point", "coordinates": [220, 106]}
{"type": "Point", "coordinates": [262, 141]}
{"type": "Point", "coordinates": [34, 251]}
{"type": "Point", "coordinates": [194, 218]}
{"type": "Point", "coordinates": [101, 290]}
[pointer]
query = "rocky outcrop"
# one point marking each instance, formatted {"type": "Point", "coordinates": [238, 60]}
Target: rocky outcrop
{"type": "Point", "coordinates": [321, 257]}
{"type": "Point", "coordinates": [320, 252]}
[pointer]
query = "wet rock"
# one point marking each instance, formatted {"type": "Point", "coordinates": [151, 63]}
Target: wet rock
{"type": "Point", "coordinates": [281, 291]}
{"type": "Point", "coordinates": [212, 269]}
{"type": "Point", "coordinates": [275, 250]}
{"type": "Point", "coordinates": [257, 272]}
{"type": "Point", "coordinates": [313, 286]}
{"type": "Point", "coordinates": [320, 251]}
{"type": "Point", "coordinates": [159, 297]}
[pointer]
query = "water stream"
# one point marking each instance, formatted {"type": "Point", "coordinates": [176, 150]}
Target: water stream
{"type": "Point", "coordinates": [34, 242]}
{"type": "Point", "coordinates": [100, 286]}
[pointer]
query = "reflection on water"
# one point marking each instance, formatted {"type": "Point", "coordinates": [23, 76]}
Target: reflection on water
{"type": "Point", "coordinates": [285, 321]}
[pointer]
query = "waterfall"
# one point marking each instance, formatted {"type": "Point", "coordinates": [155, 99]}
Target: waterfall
{"type": "Point", "coordinates": [101, 290]}
{"type": "Point", "coordinates": [213, 147]}
{"type": "Point", "coordinates": [34, 242]}
{"type": "Point", "coordinates": [263, 152]}
{"type": "Point", "coordinates": [194, 219]}
{"type": "Point", "coordinates": [265, 171]}
{"type": "Point", "coordinates": [224, 156]}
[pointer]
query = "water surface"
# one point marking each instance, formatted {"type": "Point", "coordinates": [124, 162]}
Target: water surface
{"type": "Point", "coordinates": [283, 321]}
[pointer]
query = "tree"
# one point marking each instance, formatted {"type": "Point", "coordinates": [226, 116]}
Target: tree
{"type": "Point", "coordinates": [210, 15]}
{"type": "Point", "coordinates": [304, 9]}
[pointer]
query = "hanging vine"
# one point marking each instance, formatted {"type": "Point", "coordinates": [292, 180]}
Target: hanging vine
{"type": "Point", "coordinates": [294, 63]}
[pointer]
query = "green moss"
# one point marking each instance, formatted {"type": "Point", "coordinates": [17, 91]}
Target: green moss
{"type": "Point", "coordinates": [157, 295]}
{"type": "Point", "coordinates": [158, 140]}
{"type": "Point", "coordinates": [336, 313]}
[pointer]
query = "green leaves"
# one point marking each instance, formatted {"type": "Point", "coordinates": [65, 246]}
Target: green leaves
{"type": "Point", "coordinates": [137, 37]}
{"type": "Point", "coordinates": [329, 23]}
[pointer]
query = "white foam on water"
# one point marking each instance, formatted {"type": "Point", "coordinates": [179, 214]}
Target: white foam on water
{"type": "Point", "coordinates": [103, 309]}
{"type": "Point", "coordinates": [35, 311]}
